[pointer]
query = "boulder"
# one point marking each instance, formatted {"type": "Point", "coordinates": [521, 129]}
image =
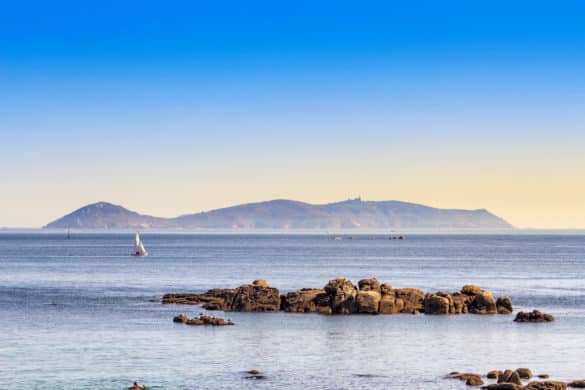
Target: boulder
{"type": "Point", "coordinates": [260, 283]}
{"type": "Point", "coordinates": [181, 318]}
{"type": "Point", "coordinates": [461, 303]}
{"type": "Point", "coordinates": [525, 373]}
{"type": "Point", "coordinates": [483, 303]}
{"type": "Point", "coordinates": [546, 385]}
{"type": "Point", "coordinates": [255, 298]}
{"type": "Point", "coordinates": [371, 284]}
{"type": "Point", "coordinates": [533, 316]}
{"type": "Point", "coordinates": [471, 289]}
{"type": "Point", "coordinates": [504, 305]}
{"type": "Point", "coordinates": [411, 300]}
{"type": "Point", "coordinates": [580, 384]}
{"type": "Point", "coordinates": [439, 303]}
{"type": "Point", "coordinates": [343, 296]}
{"type": "Point", "coordinates": [510, 376]}
{"type": "Point", "coordinates": [306, 300]}
{"type": "Point", "coordinates": [543, 376]}
{"type": "Point", "coordinates": [368, 302]}
{"type": "Point", "coordinates": [495, 374]}
{"type": "Point", "coordinates": [469, 379]}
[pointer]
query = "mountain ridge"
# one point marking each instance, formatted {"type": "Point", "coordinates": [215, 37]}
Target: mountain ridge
{"type": "Point", "coordinates": [287, 214]}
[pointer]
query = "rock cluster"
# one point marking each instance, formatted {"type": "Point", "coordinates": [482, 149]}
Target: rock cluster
{"type": "Point", "coordinates": [512, 380]}
{"type": "Point", "coordinates": [202, 320]}
{"type": "Point", "coordinates": [341, 296]}
{"type": "Point", "coordinates": [533, 316]}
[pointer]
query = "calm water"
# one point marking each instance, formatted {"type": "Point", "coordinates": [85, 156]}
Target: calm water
{"type": "Point", "coordinates": [78, 314]}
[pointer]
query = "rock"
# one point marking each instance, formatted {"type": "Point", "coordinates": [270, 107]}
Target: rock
{"type": "Point", "coordinates": [371, 284]}
{"type": "Point", "coordinates": [510, 376]}
{"type": "Point", "coordinates": [495, 374]}
{"type": "Point", "coordinates": [255, 377]}
{"type": "Point", "coordinates": [260, 283]}
{"type": "Point", "coordinates": [412, 300]}
{"type": "Point", "coordinates": [469, 379]}
{"type": "Point", "coordinates": [502, 386]}
{"type": "Point", "coordinates": [368, 302]}
{"type": "Point", "coordinates": [483, 303]}
{"type": "Point", "coordinates": [307, 300]}
{"type": "Point", "coordinates": [253, 372]}
{"type": "Point", "coordinates": [460, 303]}
{"type": "Point", "coordinates": [580, 384]}
{"type": "Point", "coordinates": [471, 289]}
{"type": "Point", "coordinates": [543, 376]}
{"type": "Point", "coordinates": [524, 373]}
{"type": "Point", "coordinates": [439, 303]}
{"type": "Point", "coordinates": [343, 296]}
{"type": "Point", "coordinates": [504, 305]}
{"type": "Point", "coordinates": [546, 385]}
{"type": "Point", "coordinates": [181, 318]}
{"type": "Point", "coordinates": [534, 316]}
{"type": "Point", "coordinates": [256, 298]}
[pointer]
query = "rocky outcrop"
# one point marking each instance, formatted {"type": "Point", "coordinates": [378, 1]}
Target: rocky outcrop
{"type": "Point", "coordinates": [533, 316]}
{"type": "Point", "coordinates": [341, 296]}
{"type": "Point", "coordinates": [202, 320]}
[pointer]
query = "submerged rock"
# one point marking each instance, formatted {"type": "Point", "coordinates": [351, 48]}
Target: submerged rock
{"type": "Point", "coordinates": [533, 316]}
{"type": "Point", "coordinates": [202, 320]}
{"type": "Point", "coordinates": [469, 379]}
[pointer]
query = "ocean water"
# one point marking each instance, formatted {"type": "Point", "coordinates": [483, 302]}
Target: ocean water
{"type": "Point", "coordinates": [83, 314]}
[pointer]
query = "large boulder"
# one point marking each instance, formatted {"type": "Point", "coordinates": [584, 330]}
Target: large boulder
{"type": "Point", "coordinates": [371, 284]}
{"type": "Point", "coordinates": [510, 376]}
{"type": "Point", "coordinates": [533, 316]}
{"type": "Point", "coordinates": [343, 296]}
{"type": "Point", "coordinates": [388, 302]}
{"type": "Point", "coordinates": [471, 289]}
{"type": "Point", "coordinates": [460, 303]}
{"type": "Point", "coordinates": [525, 373]}
{"type": "Point", "coordinates": [306, 300]}
{"type": "Point", "coordinates": [504, 305]}
{"type": "Point", "coordinates": [438, 303]}
{"type": "Point", "coordinates": [483, 303]}
{"type": "Point", "coordinates": [255, 298]}
{"type": "Point", "coordinates": [368, 302]}
{"type": "Point", "coordinates": [411, 300]}
{"type": "Point", "coordinates": [579, 384]}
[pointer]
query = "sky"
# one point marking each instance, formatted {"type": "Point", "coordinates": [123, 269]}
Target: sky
{"type": "Point", "coordinates": [177, 107]}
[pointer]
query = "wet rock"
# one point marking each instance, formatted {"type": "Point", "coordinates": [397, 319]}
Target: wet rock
{"type": "Point", "coordinates": [438, 303]}
{"type": "Point", "coordinates": [483, 303]}
{"type": "Point", "coordinates": [469, 379]}
{"type": "Point", "coordinates": [524, 373]}
{"type": "Point", "coordinates": [502, 386]}
{"type": "Point", "coordinates": [343, 296]}
{"type": "Point", "coordinates": [460, 303]}
{"type": "Point", "coordinates": [260, 283]}
{"type": "Point", "coordinates": [510, 376]}
{"type": "Point", "coordinates": [368, 302]}
{"type": "Point", "coordinates": [580, 384]}
{"type": "Point", "coordinates": [533, 316]}
{"type": "Point", "coordinates": [546, 385]}
{"type": "Point", "coordinates": [411, 300]}
{"type": "Point", "coordinates": [504, 305]}
{"type": "Point", "coordinates": [181, 318]}
{"type": "Point", "coordinates": [543, 376]}
{"type": "Point", "coordinates": [307, 300]}
{"type": "Point", "coordinates": [471, 289]}
{"type": "Point", "coordinates": [253, 372]}
{"type": "Point", "coordinates": [495, 374]}
{"type": "Point", "coordinates": [371, 284]}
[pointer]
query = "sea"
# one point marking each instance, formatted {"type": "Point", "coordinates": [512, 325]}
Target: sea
{"type": "Point", "coordinates": [81, 313]}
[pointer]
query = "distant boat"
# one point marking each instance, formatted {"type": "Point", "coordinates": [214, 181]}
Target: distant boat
{"type": "Point", "coordinates": [139, 249]}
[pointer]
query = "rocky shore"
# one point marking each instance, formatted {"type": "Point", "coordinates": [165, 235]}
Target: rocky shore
{"type": "Point", "coordinates": [341, 296]}
{"type": "Point", "coordinates": [513, 380]}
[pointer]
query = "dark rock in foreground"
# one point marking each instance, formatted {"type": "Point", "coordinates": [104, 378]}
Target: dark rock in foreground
{"type": "Point", "coordinates": [533, 316]}
{"type": "Point", "coordinates": [202, 320]}
{"type": "Point", "coordinates": [341, 296]}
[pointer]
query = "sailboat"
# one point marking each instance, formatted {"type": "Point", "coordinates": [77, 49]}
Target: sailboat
{"type": "Point", "coordinates": [139, 249]}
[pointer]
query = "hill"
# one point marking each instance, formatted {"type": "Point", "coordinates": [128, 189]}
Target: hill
{"type": "Point", "coordinates": [289, 214]}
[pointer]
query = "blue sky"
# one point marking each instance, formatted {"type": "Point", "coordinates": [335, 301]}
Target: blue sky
{"type": "Point", "coordinates": [170, 109]}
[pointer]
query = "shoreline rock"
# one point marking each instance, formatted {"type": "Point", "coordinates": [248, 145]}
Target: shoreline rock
{"type": "Point", "coordinates": [533, 316]}
{"type": "Point", "coordinates": [202, 320]}
{"type": "Point", "coordinates": [341, 296]}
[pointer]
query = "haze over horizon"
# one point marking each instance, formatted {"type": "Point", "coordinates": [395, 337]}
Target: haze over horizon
{"type": "Point", "coordinates": [198, 106]}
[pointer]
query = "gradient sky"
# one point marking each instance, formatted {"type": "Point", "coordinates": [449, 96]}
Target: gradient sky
{"type": "Point", "coordinates": [177, 107]}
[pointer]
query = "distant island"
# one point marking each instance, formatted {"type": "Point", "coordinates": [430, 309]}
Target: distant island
{"type": "Point", "coordinates": [288, 214]}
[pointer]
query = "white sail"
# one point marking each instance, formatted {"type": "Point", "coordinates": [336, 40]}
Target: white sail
{"type": "Point", "coordinates": [139, 249]}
